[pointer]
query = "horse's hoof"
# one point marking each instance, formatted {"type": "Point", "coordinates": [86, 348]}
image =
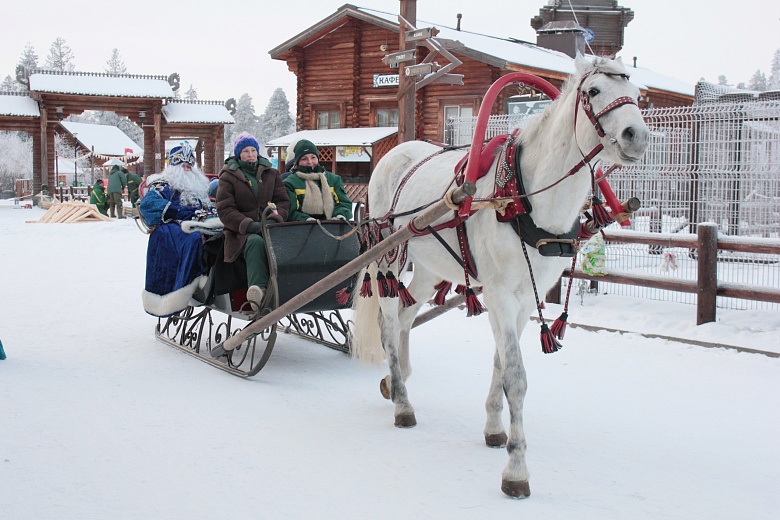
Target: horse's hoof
{"type": "Point", "coordinates": [405, 420]}
{"type": "Point", "coordinates": [516, 489]}
{"type": "Point", "coordinates": [496, 440]}
{"type": "Point", "coordinates": [384, 389]}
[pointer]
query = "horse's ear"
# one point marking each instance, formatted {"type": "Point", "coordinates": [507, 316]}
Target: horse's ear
{"type": "Point", "coordinates": [581, 63]}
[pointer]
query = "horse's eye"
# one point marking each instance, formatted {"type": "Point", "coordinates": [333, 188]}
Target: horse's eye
{"type": "Point", "coordinates": [593, 92]}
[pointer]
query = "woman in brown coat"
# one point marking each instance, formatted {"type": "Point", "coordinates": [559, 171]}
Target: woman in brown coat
{"type": "Point", "coordinates": [247, 184]}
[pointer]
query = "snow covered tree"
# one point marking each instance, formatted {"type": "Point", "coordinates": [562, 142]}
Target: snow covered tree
{"type": "Point", "coordinates": [9, 85]}
{"type": "Point", "coordinates": [758, 81]}
{"type": "Point", "coordinates": [60, 56]}
{"type": "Point", "coordinates": [16, 158]}
{"type": "Point", "coordinates": [246, 121]}
{"type": "Point", "coordinates": [723, 81]}
{"type": "Point", "coordinates": [774, 75]}
{"type": "Point", "coordinates": [191, 94]}
{"type": "Point", "coordinates": [29, 58]}
{"type": "Point", "coordinates": [276, 121]}
{"type": "Point", "coordinates": [115, 65]}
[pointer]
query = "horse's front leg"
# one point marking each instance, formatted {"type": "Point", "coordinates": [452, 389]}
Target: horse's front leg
{"type": "Point", "coordinates": [504, 312]}
{"type": "Point", "coordinates": [391, 333]}
{"type": "Point", "coordinates": [495, 436]}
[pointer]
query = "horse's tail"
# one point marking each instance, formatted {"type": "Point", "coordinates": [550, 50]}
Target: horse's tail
{"type": "Point", "coordinates": [367, 338]}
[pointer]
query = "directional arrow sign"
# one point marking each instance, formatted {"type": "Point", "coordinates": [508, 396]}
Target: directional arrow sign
{"type": "Point", "coordinates": [450, 79]}
{"type": "Point", "coordinates": [399, 57]}
{"type": "Point", "coordinates": [421, 34]}
{"type": "Point", "coordinates": [421, 69]}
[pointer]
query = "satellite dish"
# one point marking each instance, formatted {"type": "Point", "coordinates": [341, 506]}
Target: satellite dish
{"type": "Point", "coordinates": [589, 35]}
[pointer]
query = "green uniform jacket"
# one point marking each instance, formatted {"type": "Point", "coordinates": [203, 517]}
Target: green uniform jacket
{"type": "Point", "coordinates": [133, 183]}
{"type": "Point", "coordinates": [296, 189]}
{"type": "Point", "coordinates": [98, 198]}
{"type": "Point", "coordinates": [116, 181]}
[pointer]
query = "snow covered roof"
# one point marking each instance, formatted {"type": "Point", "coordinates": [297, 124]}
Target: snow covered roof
{"type": "Point", "coordinates": [197, 112]}
{"type": "Point", "coordinates": [499, 52]}
{"type": "Point", "coordinates": [14, 105]}
{"type": "Point", "coordinates": [338, 136]}
{"type": "Point", "coordinates": [107, 139]}
{"type": "Point", "coordinates": [101, 85]}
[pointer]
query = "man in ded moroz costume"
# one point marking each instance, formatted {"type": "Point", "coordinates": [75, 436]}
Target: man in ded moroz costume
{"type": "Point", "coordinates": [177, 209]}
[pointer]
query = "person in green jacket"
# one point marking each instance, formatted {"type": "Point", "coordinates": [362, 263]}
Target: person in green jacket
{"type": "Point", "coordinates": [133, 183]}
{"type": "Point", "coordinates": [116, 183]}
{"type": "Point", "coordinates": [98, 197]}
{"type": "Point", "coordinates": [315, 193]}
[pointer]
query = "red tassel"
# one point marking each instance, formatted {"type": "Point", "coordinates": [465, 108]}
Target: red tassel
{"type": "Point", "coordinates": [441, 292]}
{"type": "Point", "coordinates": [381, 285]}
{"type": "Point", "coordinates": [392, 285]}
{"type": "Point", "coordinates": [342, 296]}
{"type": "Point", "coordinates": [549, 343]}
{"type": "Point", "coordinates": [601, 216]}
{"type": "Point", "coordinates": [473, 304]}
{"type": "Point", "coordinates": [365, 289]}
{"type": "Point", "coordinates": [407, 300]}
{"type": "Point", "coordinates": [558, 328]}
{"type": "Point", "coordinates": [461, 289]}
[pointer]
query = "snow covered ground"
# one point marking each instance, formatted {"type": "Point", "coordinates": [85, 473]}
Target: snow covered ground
{"type": "Point", "coordinates": [98, 420]}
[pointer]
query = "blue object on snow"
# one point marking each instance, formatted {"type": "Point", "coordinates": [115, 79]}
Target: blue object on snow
{"type": "Point", "coordinates": [2, 352]}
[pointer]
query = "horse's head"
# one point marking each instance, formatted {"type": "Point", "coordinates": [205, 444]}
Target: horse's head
{"type": "Point", "coordinates": [606, 102]}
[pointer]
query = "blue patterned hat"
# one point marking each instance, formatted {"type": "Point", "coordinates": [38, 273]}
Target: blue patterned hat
{"type": "Point", "coordinates": [182, 154]}
{"type": "Point", "coordinates": [243, 140]}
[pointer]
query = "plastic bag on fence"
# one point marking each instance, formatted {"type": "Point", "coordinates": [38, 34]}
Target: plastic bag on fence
{"type": "Point", "coordinates": [594, 256]}
{"type": "Point", "coordinates": [669, 262]}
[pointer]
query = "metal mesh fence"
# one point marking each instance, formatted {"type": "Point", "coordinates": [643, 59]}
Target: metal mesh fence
{"type": "Point", "coordinates": [716, 161]}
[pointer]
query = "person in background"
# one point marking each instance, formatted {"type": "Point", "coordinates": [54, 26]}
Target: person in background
{"type": "Point", "coordinates": [247, 185]}
{"type": "Point", "coordinates": [313, 192]}
{"type": "Point", "coordinates": [116, 183]}
{"type": "Point", "coordinates": [133, 183]}
{"type": "Point", "coordinates": [98, 197]}
{"type": "Point", "coordinates": [177, 209]}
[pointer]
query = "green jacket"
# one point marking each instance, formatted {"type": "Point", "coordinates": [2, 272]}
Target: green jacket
{"type": "Point", "coordinates": [98, 198]}
{"type": "Point", "coordinates": [133, 183]}
{"type": "Point", "coordinates": [296, 189]}
{"type": "Point", "coordinates": [116, 180]}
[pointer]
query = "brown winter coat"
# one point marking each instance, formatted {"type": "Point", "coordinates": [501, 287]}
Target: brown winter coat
{"type": "Point", "coordinates": [238, 206]}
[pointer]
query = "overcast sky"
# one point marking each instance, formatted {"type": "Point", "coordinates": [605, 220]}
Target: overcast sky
{"type": "Point", "coordinates": [221, 48]}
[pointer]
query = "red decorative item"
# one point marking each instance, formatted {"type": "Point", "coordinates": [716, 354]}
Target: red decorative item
{"type": "Point", "coordinates": [381, 285]}
{"type": "Point", "coordinates": [549, 343]}
{"type": "Point", "coordinates": [441, 292]}
{"type": "Point", "coordinates": [558, 327]}
{"type": "Point", "coordinates": [407, 300]}
{"type": "Point", "coordinates": [460, 289]}
{"type": "Point", "coordinates": [473, 304]}
{"type": "Point", "coordinates": [365, 289]}
{"type": "Point", "coordinates": [342, 296]}
{"type": "Point", "coordinates": [392, 285]}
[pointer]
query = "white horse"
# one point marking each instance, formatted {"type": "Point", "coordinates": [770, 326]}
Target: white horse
{"type": "Point", "coordinates": [552, 145]}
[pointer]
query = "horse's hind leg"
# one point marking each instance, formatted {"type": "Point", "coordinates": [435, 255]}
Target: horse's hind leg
{"type": "Point", "coordinates": [495, 436]}
{"type": "Point", "coordinates": [391, 331]}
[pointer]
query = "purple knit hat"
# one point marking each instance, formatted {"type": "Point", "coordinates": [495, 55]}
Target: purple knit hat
{"type": "Point", "coordinates": [243, 140]}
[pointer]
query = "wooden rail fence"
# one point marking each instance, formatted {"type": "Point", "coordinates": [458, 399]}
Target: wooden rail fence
{"type": "Point", "coordinates": [706, 287]}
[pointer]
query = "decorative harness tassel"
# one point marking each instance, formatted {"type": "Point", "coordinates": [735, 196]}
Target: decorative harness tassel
{"type": "Point", "coordinates": [473, 305]}
{"type": "Point", "coordinates": [441, 292]}
{"type": "Point", "coordinates": [601, 216]}
{"type": "Point", "coordinates": [381, 285]}
{"type": "Point", "coordinates": [365, 288]}
{"type": "Point", "coordinates": [343, 295]}
{"type": "Point", "coordinates": [407, 300]}
{"type": "Point", "coordinates": [392, 285]}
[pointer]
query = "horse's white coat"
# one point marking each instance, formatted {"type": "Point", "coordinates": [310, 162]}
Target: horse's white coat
{"type": "Point", "coordinates": [550, 149]}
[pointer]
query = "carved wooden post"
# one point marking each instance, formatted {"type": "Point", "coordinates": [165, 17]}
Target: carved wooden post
{"type": "Point", "coordinates": [159, 149]}
{"type": "Point", "coordinates": [406, 105]}
{"type": "Point", "coordinates": [708, 273]}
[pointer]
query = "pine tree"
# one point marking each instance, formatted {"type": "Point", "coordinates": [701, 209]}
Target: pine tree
{"type": "Point", "coordinates": [29, 58]}
{"type": "Point", "coordinates": [774, 75]}
{"type": "Point", "coordinates": [758, 81]}
{"type": "Point", "coordinates": [276, 121]}
{"type": "Point", "coordinates": [115, 65]}
{"type": "Point", "coordinates": [60, 56]}
{"type": "Point", "coordinates": [191, 94]}
{"type": "Point", "coordinates": [16, 159]}
{"type": "Point", "coordinates": [9, 85]}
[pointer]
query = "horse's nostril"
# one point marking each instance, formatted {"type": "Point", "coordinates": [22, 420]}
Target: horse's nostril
{"type": "Point", "coordinates": [629, 134]}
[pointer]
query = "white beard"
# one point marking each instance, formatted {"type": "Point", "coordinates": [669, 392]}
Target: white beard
{"type": "Point", "coordinates": [193, 185]}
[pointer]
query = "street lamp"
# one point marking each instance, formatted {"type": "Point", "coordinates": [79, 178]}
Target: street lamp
{"type": "Point", "coordinates": [75, 168]}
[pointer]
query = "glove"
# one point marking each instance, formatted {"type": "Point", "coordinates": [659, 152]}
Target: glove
{"type": "Point", "coordinates": [341, 217]}
{"type": "Point", "coordinates": [311, 219]}
{"type": "Point", "coordinates": [254, 228]}
{"type": "Point", "coordinates": [275, 217]}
